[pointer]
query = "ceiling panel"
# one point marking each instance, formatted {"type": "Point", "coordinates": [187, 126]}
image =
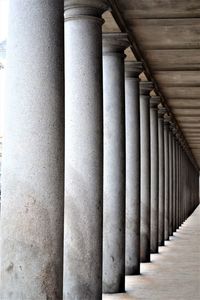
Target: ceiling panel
{"type": "Point", "coordinates": [167, 33]}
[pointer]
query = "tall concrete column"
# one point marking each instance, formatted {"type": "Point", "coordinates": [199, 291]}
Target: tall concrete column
{"type": "Point", "coordinates": [161, 188]}
{"type": "Point", "coordinates": [145, 88]}
{"type": "Point", "coordinates": [174, 178]}
{"type": "Point", "coordinates": [83, 149]}
{"type": "Point", "coordinates": [33, 160]}
{"type": "Point", "coordinates": [180, 186]}
{"type": "Point", "coordinates": [114, 45]}
{"type": "Point", "coordinates": [166, 170]}
{"type": "Point", "coordinates": [177, 180]}
{"type": "Point", "coordinates": [182, 182]}
{"type": "Point", "coordinates": [154, 101]}
{"type": "Point", "coordinates": [132, 113]}
{"type": "Point", "coordinates": [170, 181]}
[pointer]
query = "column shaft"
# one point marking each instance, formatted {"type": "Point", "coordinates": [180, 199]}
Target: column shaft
{"type": "Point", "coordinates": [177, 184]}
{"type": "Point", "coordinates": [170, 183]}
{"type": "Point", "coordinates": [83, 150]}
{"type": "Point", "coordinates": [33, 160]}
{"type": "Point", "coordinates": [132, 167]}
{"type": "Point", "coordinates": [166, 168]}
{"type": "Point", "coordinates": [161, 189]}
{"type": "Point", "coordinates": [174, 184]}
{"type": "Point", "coordinates": [114, 163]}
{"type": "Point", "coordinates": [145, 172]}
{"type": "Point", "coordinates": [181, 184]}
{"type": "Point", "coordinates": [154, 101]}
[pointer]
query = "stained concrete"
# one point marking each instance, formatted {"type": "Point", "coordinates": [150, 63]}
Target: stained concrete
{"type": "Point", "coordinates": [114, 162]}
{"type": "Point", "coordinates": [174, 273]}
{"type": "Point", "coordinates": [145, 88]}
{"type": "Point", "coordinates": [83, 150]}
{"type": "Point", "coordinates": [166, 169]}
{"type": "Point", "coordinates": [154, 101]}
{"type": "Point", "coordinates": [161, 172]}
{"type": "Point", "coordinates": [170, 181]}
{"type": "Point", "coordinates": [174, 183]}
{"type": "Point", "coordinates": [33, 152]}
{"type": "Point", "coordinates": [132, 116]}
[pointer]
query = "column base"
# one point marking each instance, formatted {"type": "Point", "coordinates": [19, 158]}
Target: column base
{"type": "Point", "coordinates": [110, 290]}
{"type": "Point", "coordinates": [162, 243]}
{"type": "Point", "coordinates": [145, 259]}
{"type": "Point", "coordinates": [154, 251]}
{"type": "Point", "coordinates": [132, 271]}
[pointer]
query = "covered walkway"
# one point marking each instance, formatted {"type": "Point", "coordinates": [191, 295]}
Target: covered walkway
{"type": "Point", "coordinates": [174, 273]}
{"type": "Point", "coordinates": [101, 150]}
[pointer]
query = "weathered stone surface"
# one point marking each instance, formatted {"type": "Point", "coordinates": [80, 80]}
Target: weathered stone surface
{"type": "Point", "coordinates": [83, 150]}
{"type": "Point", "coordinates": [114, 163]}
{"type": "Point", "coordinates": [132, 113]}
{"type": "Point", "coordinates": [154, 101]}
{"type": "Point", "coordinates": [167, 176]}
{"type": "Point", "coordinates": [161, 188]}
{"type": "Point", "coordinates": [145, 88]}
{"type": "Point", "coordinates": [33, 165]}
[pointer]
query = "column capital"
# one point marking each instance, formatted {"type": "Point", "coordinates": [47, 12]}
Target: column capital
{"type": "Point", "coordinates": [167, 119]}
{"type": "Point", "coordinates": [133, 69]}
{"type": "Point", "coordinates": [146, 87]}
{"type": "Point", "coordinates": [161, 112]}
{"type": "Point", "coordinates": [114, 45]}
{"type": "Point", "coordinates": [81, 8]}
{"type": "Point", "coordinates": [154, 101]}
{"type": "Point", "coordinates": [172, 124]}
{"type": "Point", "coordinates": [177, 135]}
{"type": "Point", "coordinates": [174, 129]}
{"type": "Point", "coordinates": [115, 42]}
{"type": "Point", "coordinates": [181, 139]}
{"type": "Point", "coordinates": [184, 146]}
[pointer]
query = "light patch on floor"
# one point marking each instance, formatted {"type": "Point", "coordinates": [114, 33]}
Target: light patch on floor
{"type": "Point", "coordinates": [174, 273]}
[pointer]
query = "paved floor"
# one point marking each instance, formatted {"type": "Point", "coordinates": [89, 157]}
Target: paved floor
{"type": "Point", "coordinates": [174, 273]}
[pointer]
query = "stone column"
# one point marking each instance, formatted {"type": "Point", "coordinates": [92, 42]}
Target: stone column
{"type": "Point", "coordinates": [33, 160]}
{"type": "Point", "coordinates": [154, 101]}
{"type": "Point", "coordinates": [170, 181]}
{"type": "Point", "coordinates": [177, 180]}
{"type": "Point", "coordinates": [145, 88]}
{"type": "Point", "coordinates": [114, 45]}
{"type": "Point", "coordinates": [182, 181]}
{"type": "Point", "coordinates": [132, 112]}
{"type": "Point", "coordinates": [161, 188]}
{"type": "Point", "coordinates": [179, 183]}
{"type": "Point", "coordinates": [166, 177]}
{"type": "Point", "coordinates": [83, 149]}
{"type": "Point", "coordinates": [184, 170]}
{"type": "Point", "coordinates": [174, 178]}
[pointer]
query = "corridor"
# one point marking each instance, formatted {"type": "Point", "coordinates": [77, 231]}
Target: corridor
{"type": "Point", "coordinates": [100, 156]}
{"type": "Point", "coordinates": [174, 273]}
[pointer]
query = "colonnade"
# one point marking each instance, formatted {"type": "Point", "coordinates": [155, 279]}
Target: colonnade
{"type": "Point", "coordinates": [93, 181]}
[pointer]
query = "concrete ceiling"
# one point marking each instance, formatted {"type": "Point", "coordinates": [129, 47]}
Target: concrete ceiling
{"type": "Point", "coordinates": [166, 35]}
